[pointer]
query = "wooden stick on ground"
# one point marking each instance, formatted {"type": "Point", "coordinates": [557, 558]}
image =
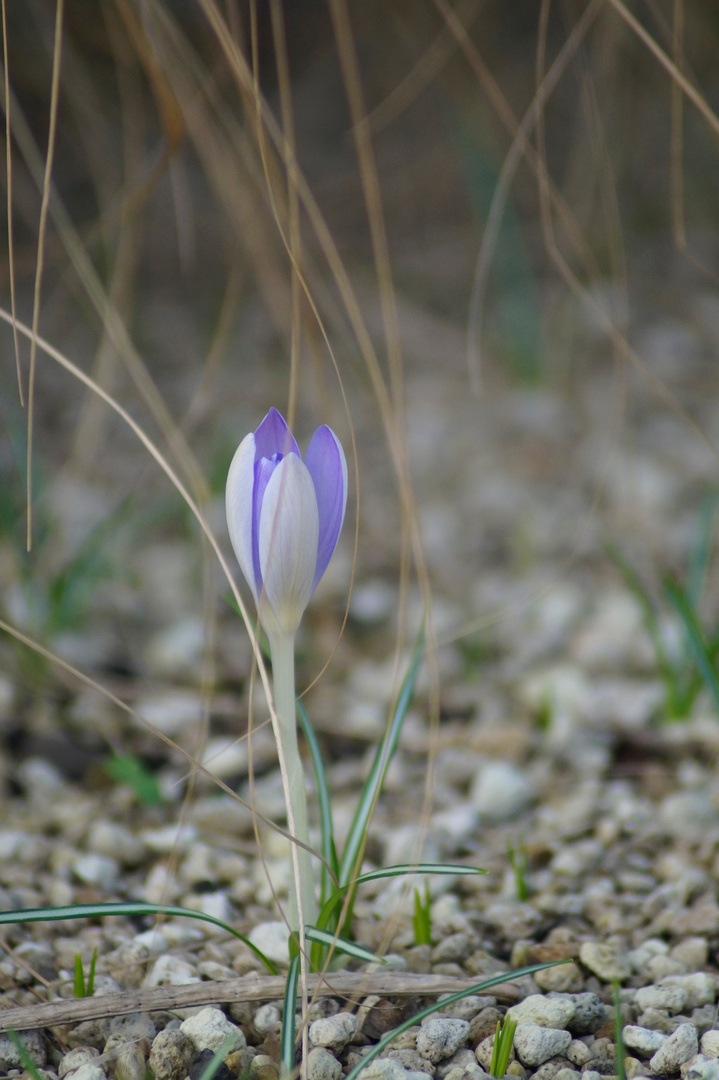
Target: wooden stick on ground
{"type": "Point", "coordinates": [248, 988]}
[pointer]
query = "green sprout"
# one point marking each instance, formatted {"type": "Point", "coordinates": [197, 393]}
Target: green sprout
{"type": "Point", "coordinates": [82, 988]}
{"type": "Point", "coordinates": [518, 862]}
{"type": "Point", "coordinates": [422, 918]}
{"type": "Point", "coordinates": [503, 1041]}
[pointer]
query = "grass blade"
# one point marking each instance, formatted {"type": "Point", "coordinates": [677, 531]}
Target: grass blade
{"type": "Point", "coordinates": [695, 636]}
{"type": "Point", "coordinates": [91, 973]}
{"type": "Point", "coordinates": [701, 549]}
{"type": "Point", "coordinates": [618, 1031]}
{"type": "Point", "coordinates": [26, 1061]}
{"type": "Point", "coordinates": [329, 851]}
{"type": "Point", "coordinates": [216, 1060]}
{"type": "Point", "coordinates": [287, 1043]}
{"type": "Point", "coordinates": [79, 989]}
{"type": "Point", "coordinates": [340, 944]}
{"type": "Point", "coordinates": [503, 1040]}
{"type": "Point", "coordinates": [398, 870]}
{"type": "Point", "coordinates": [354, 846]}
{"type": "Point", "coordinates": [94, 911]}
{"type": "Point", "coordinates": [480, 988]}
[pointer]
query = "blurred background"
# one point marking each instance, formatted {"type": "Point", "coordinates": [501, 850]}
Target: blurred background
{"type": "Point", "coordinates": [478, 239]}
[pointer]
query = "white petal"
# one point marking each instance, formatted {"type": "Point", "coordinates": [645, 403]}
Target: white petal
{"type": "Point", "coordinates": [238, 498]}
{"type": "Point", "coordinates": [289, 530]}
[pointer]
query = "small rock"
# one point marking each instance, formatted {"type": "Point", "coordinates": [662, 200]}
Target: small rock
{"type": "Point", "coordinates": [664, 996]}
{"type": "Point", "coordinates": [271, 939]}
{"type": "Point", "coordinates": [567, 1074]}
{"type": "Point", "coordinates": [710, 1043]}
{"type": "Point", "coordinates": [334, 1032]}
{"type": "Point", "coordinates": [262, 1067]}
{"type": "Point", "coordinates": [463, 1058]}
{"type": "Point", "coordinates": [692, 951]}
{"type": "Point", "coordinates": [439, 1038]}
{"type": "Point", "coordinates": [412, 1061]}
{"type": "Point", "coordinates": [267, 1021]}
{"type": "Point", "coordinates": [81, 1055]}
{"type": "Point", "coordinates": [466, 1072]}
{"type": "Point", "coordinates": [550, 1068]}
{"type": "Point", "coordinates": [210, 1029]}
{"type": "Point", "coordinates": [89, 1071]}
{"type": "Point", "coordinates": [590, 1013]}
{"type": "Point", "coordinates": [34, 1044]}
{"type": "Point", "coordinates": [578, 1053]}
{"type": "Point", "coordinates": [384, 1069]}
{"type": "Point", "coordinates": [170, 1054]}
{"type": "Point", "coordinates": [201, 1061]}
{"type": "Point", "coordinates": [115, 842]}
{"type": "Point", "coordinates": [701, 1068]}
{"type": "Point", "coordinates": [170, 970]}
{"type": "Point", "coordinates": [454, 947]}
{"type": "Point", "coordinates": [534, 1044]}
{"type": "Point", "coordinates": [500, 791]}
{"type": "Point", "coordinates": [605, 961]}
{"type": "Point", "coordinates": [678, 1048]}
{"type": "Point", "coordinates": [563, 979]}
{"type": "Point", "coordinates": [550, 1012]}
{"type": "Point", "coordinates": [322, 1065]}
{"type": "Point", "coordinates": [701, 987]}
{"type": "Point", "coordinates": [645, 1040]}
{"type": "Point", "coordinates": [97, 870]}
{"type": "Point", "coordinates": [515, 920]}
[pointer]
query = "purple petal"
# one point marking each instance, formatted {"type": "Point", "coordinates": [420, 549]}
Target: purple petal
{"type": "Point", "coordinates": [325, 461]}
{"type": "Point", "coordinates": [274, 437]}
{"type": "Point", "coordinates": [263, 470]}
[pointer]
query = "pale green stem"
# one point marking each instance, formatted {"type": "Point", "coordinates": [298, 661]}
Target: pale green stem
{"type": "Point", "coordinates": [303, 894]}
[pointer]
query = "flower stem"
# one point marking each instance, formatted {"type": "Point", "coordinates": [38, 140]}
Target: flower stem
{"type": "Point", "coordinates": [303, 895]}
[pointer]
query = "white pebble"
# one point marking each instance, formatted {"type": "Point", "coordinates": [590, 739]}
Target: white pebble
{"type": "Point", "coordinates": [500, 791]}
{"type": "Point", "coordinates": [550, 1012]}
{"type": "Point", "coordinates": [681, 1045]}
{"type": "Point", "coordinates": [97, 870]}
{"type": "Point", "coordinates": [534, 1044]}
{"type": "Point", "coordinates": [210, 1029]}
{"type": "Point", "coordinates": [441, 1037]}
{"type": "Point", "coordinates": [271, 939]}
{"type": "Point", "coordinates": [334, 1032]}
{"type": "Point", "coordinates": [322, 1065]}
{"type": "Point", "coordinates": [643, 1039]}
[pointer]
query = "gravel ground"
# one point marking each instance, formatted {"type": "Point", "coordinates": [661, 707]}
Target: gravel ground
{"type": "Point", "coordinates": [552, 741]}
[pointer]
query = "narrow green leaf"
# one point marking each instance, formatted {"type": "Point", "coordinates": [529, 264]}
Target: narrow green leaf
{"type": "Point", "coordinates": [479, 988]}
{"type": "Point", "coordinates": [502, 1049]}
{"type": "Point", "coordinates": [399, 870]}
{"type": "Point", "coordinates": [329, 852]}
{"type": "Point", "coordinates": [700, 554]}
{"type": "Point", "coordinates": [79, 990]}
{"type": "Point", "coordinates": [618, 1031]}
{"type": "Point", "coordinates": [340, 944]}
{"type": "Point", "coordinates": [287, 1044]}
{"type": "Point", "coordinates": [354, 845]}
{"type": "Point", "coordinates": [94, 911]}
{"type": "Point", "coordinates": [27, 1063]}
{"type": "Point", "coordinates": [91, 973]}
{"type": "Point", "coordinates": [695, 636]}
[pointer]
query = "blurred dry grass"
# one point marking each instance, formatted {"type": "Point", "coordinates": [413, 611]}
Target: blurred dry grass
{"type": "Point", "coordinates": [335, 208]}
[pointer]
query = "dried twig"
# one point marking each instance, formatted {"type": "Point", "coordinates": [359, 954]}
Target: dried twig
{"type": "Point", "coordinates": [249, 988]}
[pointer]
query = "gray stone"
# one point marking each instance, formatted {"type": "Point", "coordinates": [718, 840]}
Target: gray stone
{"type": "Point", "coordinates": [170, 970]}
{"type": "Point", "coordinates": [81, 1055]}
{"type": "Point", "coordinates": [645, 1040]}
{"type": "Point", "coordinates": [701, 987]}
{"type": "Point", "coordinates": [34, 1044]}
{"type": "Point", "coordinates": [97, 870]}
{"type": "Point", "coordinates": [170, 1054]}
{"type": "Point", "coordinates": [454, 947]}
{"type": "Point", "coordinates": [590, 1013]}
{"type": "Point", "coordinates": [664, 996]}
{"type": "Point", "coordinates": [267, 1020]}
{"type": "Point", "coordinates": [567, 1074]}
{"type": "Point", "coordinates": [466, 1072]}
{"type": "Point", "coordinates": [271, 939]}
{"type": "Point", "coordinates": [534, 1044]}
{"type": "Point", "coordinates": [710, 1043]}
{"type": "Point", "coordinates": [384, 1069]}
{"type": "Point", "coordinates": [210, 1029]}
{"type": "Point", "coordinates": [605, 961]}
{"type": "Point", "coordinates": [334, 1032]}
{"type": "Point", "coordinates": [564, 978]}
{"type": "Point", "coordinates": [439, 1038]}
{"type": "Point", "coordinates": [262, 1067]}
{"type": "Point", "coordinates": [322, 1065]}
{"type": "Point", "coordinates": [550, 1012]}
{"type": "Point", "coordinates": [115, 842]}
{"type": "Point", "coordinates": [463, 1058]}
{"type": "Point", "coordinates": [413, 1061]}
{"type": "Point", "coordinates": [550, 1068]}
{"type": "Point", "coordinates": [501, 791]}
{"type": "Point", "coordinates": [469, 1007]}
{"type": "Point", "coordinates": [701, 1068]}
{"type": "Point", "coordinates": [89, 1071]}
{"type": "Point", "coordinates": [578, 1053]}
{"type": "Point", "coordinates": [681, 1045]}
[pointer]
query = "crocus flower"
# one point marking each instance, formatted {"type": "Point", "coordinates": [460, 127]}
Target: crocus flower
{"type": "Point", "coordinates": [284, 516]}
